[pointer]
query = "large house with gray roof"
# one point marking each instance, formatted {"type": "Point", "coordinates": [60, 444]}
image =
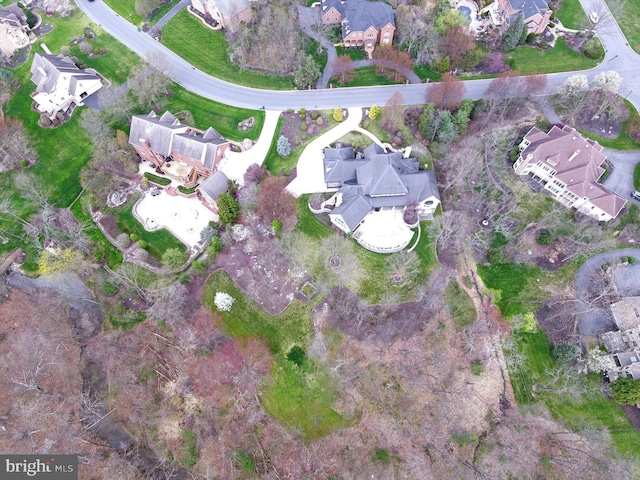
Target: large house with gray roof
{"type": "Point", "coordinates": [364, 23]}
{"type": "Point", "coordinates": [569, 165]}
{"type": "Point", "coordinates": [375, 180]}
{"type": "Point", "coordinates": [14, 30]}
{"type": "Point", "coordinates": [60, 84]}
{"type": "Point", "coordinates": [179, 151]}
{"type": "Point", "coordinates": [536, 13]}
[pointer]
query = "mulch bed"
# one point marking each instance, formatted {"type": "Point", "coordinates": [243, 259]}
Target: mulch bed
{"type": "Point", "coordinates": [291, 127]}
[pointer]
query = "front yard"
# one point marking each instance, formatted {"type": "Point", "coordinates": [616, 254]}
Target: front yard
{"type": "Point", "coordinates": [561, 58]}
{"type": "Point", "coordinates": [207, 50]}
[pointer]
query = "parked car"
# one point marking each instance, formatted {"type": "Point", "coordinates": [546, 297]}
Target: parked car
{"type": "Point", "coordinates": [155, 192]}
{"type": "Point", "coordinates": [635, 195]}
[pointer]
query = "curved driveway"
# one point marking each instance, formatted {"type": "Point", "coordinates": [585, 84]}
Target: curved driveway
{"type": "Point", "coordinates": [593, 264]}
{"type": "Point", "coordinates": [619, 56]}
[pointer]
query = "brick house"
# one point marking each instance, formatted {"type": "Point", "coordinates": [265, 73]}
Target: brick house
{"type": "Point", "coordinates": [177, 150]}
{"type": "Point", "coordinates": [14, 30]}
{"type": "Point", "coordinates": [536, 13]}
{"type": "Point", "coordinates": [569, 165]}
{"type": "Point", "coordinates": [364, 23]}
{"type": "Point", "coordinates": [228, 13]}
{"type": "Point", "coordinates": [60, 84]}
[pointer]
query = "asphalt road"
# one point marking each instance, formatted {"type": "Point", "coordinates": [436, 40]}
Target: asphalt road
{"type": "Point", "coordinates": [619, 57]}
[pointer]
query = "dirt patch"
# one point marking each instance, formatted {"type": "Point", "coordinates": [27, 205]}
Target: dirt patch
{"type": "Point", "coordinates": [558, 319]}
{"type": "Point", "coordinates": [384, 323]}
{"type": "Point", "coordinates": [263, 271]}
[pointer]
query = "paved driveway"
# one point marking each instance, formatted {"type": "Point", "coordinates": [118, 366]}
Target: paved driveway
{"type": "Point", "coordinates": [620, 180]}
{"type": "Point", "coordinates": [235, 164]}
{"type": "Point", "coordinates": [310, 171]}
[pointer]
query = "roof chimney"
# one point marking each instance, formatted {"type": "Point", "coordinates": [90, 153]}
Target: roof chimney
{"type": "Point", "coordinates": [573, 155]}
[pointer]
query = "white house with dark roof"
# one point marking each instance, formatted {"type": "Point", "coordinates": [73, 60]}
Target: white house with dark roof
{"type": "Point", "coordinates": [60, 84]}
{"type": "Point", "coordinates": [371, 183]}
{"type": "Point", "coordinates": [364, 23]}
{"type": "Point", "coordinates": [14, 30]}
{"type": "Point", "coordinates": [569, 165]}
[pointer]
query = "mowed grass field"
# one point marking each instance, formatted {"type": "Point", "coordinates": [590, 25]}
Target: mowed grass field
{"type": "Point", "coordinates": [207, 50]}
{"type": "Point", "coordinates": [529, 60]}
{"type": "Point", "coordinates": [628, 19]}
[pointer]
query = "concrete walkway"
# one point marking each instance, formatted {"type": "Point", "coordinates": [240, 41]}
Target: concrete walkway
{"type": "Point", "coordinates": [235, 164]}
{"type": "Point", "coordinates": [310, 170]}
{"type": "Point", "coordinates": [172, 13]}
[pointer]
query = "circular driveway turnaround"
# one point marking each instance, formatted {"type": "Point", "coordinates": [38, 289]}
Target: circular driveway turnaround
{"type": "Point", "coordinates": [619, 56]}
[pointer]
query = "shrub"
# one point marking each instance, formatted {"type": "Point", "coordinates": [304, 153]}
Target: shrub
{"type": "Point", "coordinates": [495, 255]}
{"type": "Point", "coordinates": [320, 121]}
{"type": "Point", "coordinates": [543, 44]}
{"type": "Point", "coordinates": [283, 147]}
{"type": "Point", "coordinates": [223, 301]}
{"type": "Point", "coordinates": [314, 115]}
{"type": "Point", "coordinates": [338, 114]}
{"type": "Point", "coordinates": [214, 248]}
{"type": "Point", "coordinates": [593, 48]}
{"type": "Point", "coordinates": [565, 353]}
{"type": "Point", "coordinates": [545, 237]}
{"type": "Point", "coordinates": [374, 112]}
{"type": "Point", "coordinates": [109, 289]}
{"type": "Point", "coordinates": [477, 367]}
{"type": "Point", "coordinates": [23, 163]}
{"type": "Point", "coordinates": [303, 116]}
{"type": "Point", "coordinates": [134, 238]}
{"type": "Point", "coordinates": [173, 258]}
{"type": "Point", "coordinates": [276, 225]}
{"type": "Point", "coordinates": [303, 111]}
{"type": "Point", "coordinates": [296, 355]}
{"type": "Point", "coordinates": [143, 244]}
{"type": "Point", "coordinates": [531, 38]}
{"type": "Point", "coordinates": [228, 208]}
{"type": "Point", "coordinates": [303, 127]}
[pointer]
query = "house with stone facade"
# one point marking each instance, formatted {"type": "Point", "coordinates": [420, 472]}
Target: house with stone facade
{"type": "Point", "coordinates": [569, 166]}
{"type": "Point", "coordinates": [60, 85]}
{"type": "Point", "coordinates": [14, 30]}
{"type": "Point", "coordinates": [536, 13]}
{"type": "Point", "coordinates": [184, 153]}
{"type": "Point", "coordinates": [364, 24]}
{"type": "Point", "coordinates": [228, 13]}
{"type": "Point", "coordinates": [623, 345]}
{"type": "Point", "coordinates": [374, 188]}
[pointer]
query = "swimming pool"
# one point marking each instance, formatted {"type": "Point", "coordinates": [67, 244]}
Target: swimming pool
{"type": "Point", "coordinates": [466, 11]}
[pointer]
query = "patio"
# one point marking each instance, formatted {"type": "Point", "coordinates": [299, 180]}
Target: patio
{"type": "Point", "coordinates": [183, 217]}
{"type": "Point", "coordinates": [384, 231]}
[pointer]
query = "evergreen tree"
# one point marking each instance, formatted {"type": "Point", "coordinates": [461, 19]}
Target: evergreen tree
{"type": "Point", "coordinates": [307, 73]}
{"type": "Point", "coordinates": [283, 147]}
{"type": "Point", "coordinates": [512, 35]}
{"type": "Point", "coordinates": [228, 208]}
{"type": "Point", "coordinates": [626, 390]}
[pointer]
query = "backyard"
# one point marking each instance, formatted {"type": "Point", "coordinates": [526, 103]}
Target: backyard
{"type": "Point", "coordinates": [518, 289]}
{"type": "Point", "coordinates": [185, 35]}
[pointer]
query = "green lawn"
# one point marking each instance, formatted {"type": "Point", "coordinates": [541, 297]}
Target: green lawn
{"type": "Point", "coordinates": [572, 15]}
{"type": "Point", "coordinates": [207, 50]}
{"type": "Point", "coordinates": [628, 20]}
{"type": "Point", "coordinates": [127, 10]}
{"type": "Point", "coordinates": [307, 222]}
{"type": "Point", "coordinates": [519, 292]}
{"type": "Point", "coordinates": [561, 58]}
{"type": "Point", "coordinates": [353, 53]}
{"type": "Point", "coordinates": [636, 177]}
{"type": "Point", "coordinates": [158, 241]}
{"type": "Point", "coordinates": [299, 396]}
{"type": "Point", "coordinates": [624, 141]}
{"type": "Point", "coordinates": [425, 72]}
{"type": "Point", "coordinates": [366, 76]}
